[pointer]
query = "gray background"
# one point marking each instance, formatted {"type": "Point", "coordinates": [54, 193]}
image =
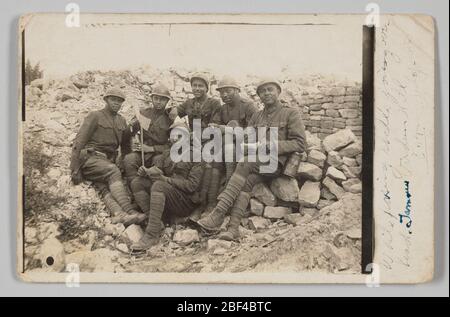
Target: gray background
{"type": "Point", "coordinates": [10, 12]}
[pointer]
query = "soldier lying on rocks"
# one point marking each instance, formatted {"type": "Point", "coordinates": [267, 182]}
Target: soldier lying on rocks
{"type": "Point", "coordinates": [170, 189]}
{"type": "Point", "coordinates": [155, 136]}
{"type": "Point", "coordinates": [291, 139]}
{"type": "Point", "coordinates": [94, 153]}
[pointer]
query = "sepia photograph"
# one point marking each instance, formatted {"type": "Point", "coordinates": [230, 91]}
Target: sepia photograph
{"type": "Point", "coordinates": [198, 144]}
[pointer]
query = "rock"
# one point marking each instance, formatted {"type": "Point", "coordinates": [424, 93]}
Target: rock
{"type": "Point", "coordinates": [213, 244]}
{"type": "Point", "coordinates": [346, 170]}
{"type": "Point", "coordinates": [324, 203]}
{"type": "Point", "coordinates": [257, 223]}
{"type": "Point", "coordinates": [113, 229]}
{"type": "Point", "coordinates": [359, 159]}
{"type": "Point", "coordinates": [263, 194]}
{"type": "Point", "coordinates": [48, 230]}
{"type": "Point", "coordinates": [30, 234]}
{"type": "Point", "coordinates": [317, 158]}
{"type": "Point", "coordinates": [349, 183]}
{"type": "Point", "coordinates": [354, 234]}
{"type": "Point", "coordinates": [335, 174]}
{"type": "Point", "coordinates": [285, 188]}
{"type": "Point", "coordinates": [122, 247]}
{"type": "Point", "coordinates": [145, 79]}
{"type": "Point", "coordinates": [186, 236]}
{"type": "Point", "coordinates": [102, 260]}
{"type": "Point", "coordinates": [352, 150]}
{"type": "Point", "coordinates": [334, 188]}
{"type": "Point", "coordinates": [310, 211]}
{"type": "Point", "coordinates": [355, 170]}
{"type": "Point", "coordinates": [294, 219]}
{"type": "Point", "coordinates": [133, 233]}
{"type": "Point", "coordinates": [276, 212]}
{"type": "Point", "coordinates": [356, 189]}
{"type": "Point", "coordinates": [309, 194]}
{"type": "Point", "coordinates": [309, 171]}
{"type": "Point", "coordinates": [338, 140]}
{"type": "Point", "coordinates": [326, 194]}
{"type": "Point", "coordinates": [80, 84]}
{"type": "Point", "coordinates": [334, 159]}
{"type": "Point", "coordinates": [313, 141]}
{"type": "Point", "coordinates": [349, 161]}
{"type": "Point", "coordinates": [52, 255]}
{"type": "Point", "coordinates": [219, 251]}
{"type": "Point", "coordinates": [349, 113]}
{"type": "Point", "coordinates": [38, 83]}
{"type": "Point", "coordinates": [256, 208]}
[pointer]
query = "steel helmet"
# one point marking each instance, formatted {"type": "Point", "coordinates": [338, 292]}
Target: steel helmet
{"type": "Point", "coordinates": [114, 91]}
{"type": "Point", "coordinates": [161, 90]}
{"type": "Point", "coordinates": [202, 77]}
{"type": "Point", "coordinates": [268, 81]}
{"type": "Point", "coordinates": [227, 82]}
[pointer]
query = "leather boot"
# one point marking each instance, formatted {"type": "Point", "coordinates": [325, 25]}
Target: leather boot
{"type": "Point", "coordinates": [237, 212]}
{"type": "Point", "coordinates": [214, 220]}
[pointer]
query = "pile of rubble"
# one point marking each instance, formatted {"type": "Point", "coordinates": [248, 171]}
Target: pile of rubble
{"type": "Point", "coordinates": [312, 221]}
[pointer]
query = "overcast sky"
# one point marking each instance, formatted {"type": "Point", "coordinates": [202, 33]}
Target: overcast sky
{"type": "Point", "coordinates": [331, 46]}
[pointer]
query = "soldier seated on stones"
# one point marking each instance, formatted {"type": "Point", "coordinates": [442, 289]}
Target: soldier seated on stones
{"type": "Point", "coordinates": [155, 136]}
{"type": "Point", "coordinates": [235, 112]}
{"type": "Point", "coordinates": [291, 139]}
{"type": "Point", "coordinates": [95, 151]}
{"type": "Point", "coordinates": [204, 108]}
{"type": "Point", "coordinates": [169, 189]}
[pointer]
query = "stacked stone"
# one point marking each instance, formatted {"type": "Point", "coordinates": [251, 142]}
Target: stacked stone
{"type": "Point", "coordinates": [333, 109]}
{"type": "Point", "coordinates": [331, 168]}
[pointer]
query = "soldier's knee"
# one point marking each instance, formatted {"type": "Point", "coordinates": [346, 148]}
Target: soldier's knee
{"type": "Point", "coordinates": [114, 173]}
{"type": "Point", "coordinates": [160, 186]}
{"type": "Point", "coordinates": [242, 168]}
{"type": "Point", "coordinates": [137, 185]}
{"type": "Point", "coordinates": [129, 160]}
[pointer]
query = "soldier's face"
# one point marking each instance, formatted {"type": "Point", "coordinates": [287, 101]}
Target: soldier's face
{"type": "Point", "coordinates": [199, 88]}
{"type": "Point", "coordinates": [114, 103]}
{"type": "Point", "coordinates": [268, 94]}
{"type": "Point", "coordinates": [227, 94]}
{"type": "Point", "coordinates": [159, 102]}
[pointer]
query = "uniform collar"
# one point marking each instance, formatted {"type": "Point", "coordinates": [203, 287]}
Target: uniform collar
{"type": "Point", "coordinates": [272, 109]}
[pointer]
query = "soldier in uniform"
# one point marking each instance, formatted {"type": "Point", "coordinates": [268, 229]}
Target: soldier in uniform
{"type": "Point", "coordinates": [95, 151]}
{"type": "Point", "coordinates": [236, 112]}
{"type": "Point", "coordinates": [291, 139]}
{"type": "Point", "coordinates": [171, 189]}
{"type": "Point", "coordinates": [204, 108]}
{"type": "Point", "coordinates": [155, 138]}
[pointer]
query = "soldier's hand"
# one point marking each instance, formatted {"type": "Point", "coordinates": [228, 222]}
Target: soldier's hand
{"type": "Point", "coordinates": [137, 147]}
{"type": "Point", "coordinates": [148, 149]}
{"type": "Point", "coordinates": [142, 171]}
{"type": "Point", "coordinates": [76, 178]}
{"type": "Point", "coordinates": [173, 113]}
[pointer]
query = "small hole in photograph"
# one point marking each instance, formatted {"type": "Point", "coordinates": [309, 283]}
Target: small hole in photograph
{"type": "Point", "coordinates": [50, 261]}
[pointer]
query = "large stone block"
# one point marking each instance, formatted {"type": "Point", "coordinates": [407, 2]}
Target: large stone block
{"type": "Point", "coordinates": [338, 140]}
{"type": "Point", "coordinates": [334, 188]}
{"type": "Point", "coordinates": [309, 171]}
{"type": "Point", "coordinates": [264, 194]}
{"type": "Point", "coordinates": [285, 188]}
{"type": "Point", "coordinates": [309, 194]}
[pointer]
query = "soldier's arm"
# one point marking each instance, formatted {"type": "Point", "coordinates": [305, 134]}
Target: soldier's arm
{"type": "Point", "coordinates": [84, 134]}
{"type": "Point", "coordinates": [249, 112]}
{"type": "Point", "coordinates": [181, 109]}
{"type": "Point", "coordinates": [296, 138]}
{"type": "Point", "coordinates": [191, 183]}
